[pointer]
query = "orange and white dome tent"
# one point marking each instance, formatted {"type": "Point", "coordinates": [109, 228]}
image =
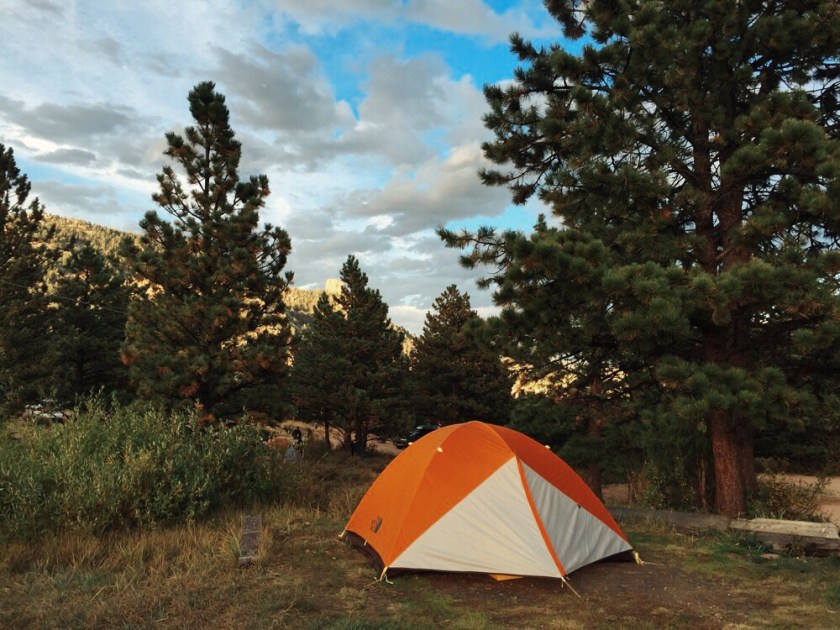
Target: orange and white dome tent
{"type": "Point", "coordinates": [483, 498]}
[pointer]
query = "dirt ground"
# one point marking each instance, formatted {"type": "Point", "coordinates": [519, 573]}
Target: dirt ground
{"type": "Point", "coordinates": [618, 594]}
{"type": "Point", "coordinates": [660, 593]}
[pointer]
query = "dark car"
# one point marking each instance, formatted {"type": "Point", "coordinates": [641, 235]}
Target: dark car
{"type": "Point", "coordinates": [416, 434]}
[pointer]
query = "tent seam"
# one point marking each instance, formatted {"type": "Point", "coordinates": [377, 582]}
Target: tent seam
{"type": "Point", "coordinates": [538, 518]}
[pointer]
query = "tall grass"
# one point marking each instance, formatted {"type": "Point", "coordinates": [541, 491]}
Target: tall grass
{"type": "Point", "coordinates": [123, 467]}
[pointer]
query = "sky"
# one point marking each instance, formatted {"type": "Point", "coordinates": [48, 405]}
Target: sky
{"type": "Point", "coordinates": [366, 116]}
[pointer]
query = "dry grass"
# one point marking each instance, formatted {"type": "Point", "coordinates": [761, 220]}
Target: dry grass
{"type": "Point", "coordinates": [188, 577]}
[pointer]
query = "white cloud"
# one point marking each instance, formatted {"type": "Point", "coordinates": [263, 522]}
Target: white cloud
{"type": "Point", "coordinates": [283, 92]}
{"type": "Point", "coordinates": [464, 17]}
{"type": "Point", "coordinates": [471, 17]}
{"type": "Point", "coordinates": [369, 138]}
{"type": "Point", "coordinates": [68, 156]}
{"type": "Point", "coordinates": [434, 192]}
{"type": "Point", "coordinates": [409, 317]}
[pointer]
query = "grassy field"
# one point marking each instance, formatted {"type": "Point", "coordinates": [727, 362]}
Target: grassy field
{"type": "Point", "coordinates": [188, 577]}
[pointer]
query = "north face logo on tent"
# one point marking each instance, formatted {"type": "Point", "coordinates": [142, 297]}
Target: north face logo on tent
{"type": "Point", "coordinates": [376, 524]}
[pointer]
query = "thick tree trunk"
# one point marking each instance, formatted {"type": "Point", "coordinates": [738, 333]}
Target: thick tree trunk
{"type": "Point", "coordinates": [729, 482]}
{"type": "Point", "coordinates": [730, 435]}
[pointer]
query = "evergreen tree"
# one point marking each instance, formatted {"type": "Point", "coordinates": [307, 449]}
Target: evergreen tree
{"type": "Point", "coordinates": [349, 370]}
{"type": "Point", "coordinates": [24, 258]}
{"type": "Point", "coordinates": [697, 143]}
{"type": "Point", "coordinates": [561, 347]}
{"type": "Point", "coordinates": [455, 375]}
{"type": "Point", "coordinates": [208, 323]}
{"type": "Point", "coordinates": [88, 317]}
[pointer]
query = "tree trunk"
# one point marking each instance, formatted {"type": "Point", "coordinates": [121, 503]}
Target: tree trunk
{"type": "Point", "coordinates": [327, 434]}
{"type": "Point", "coordinates": [729, 482]}
{"type": "Point", "coordinates": [730, 435]}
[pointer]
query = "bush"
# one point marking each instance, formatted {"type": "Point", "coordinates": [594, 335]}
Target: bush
{"type": "Point", "coordinates": [130, 467]}
{"type": "Point", "coordinates": [776, 497]}
{"type": "Point", "coordinates": [661, 487]}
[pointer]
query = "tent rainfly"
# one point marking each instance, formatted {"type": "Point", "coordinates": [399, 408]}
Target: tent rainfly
{"type": "Point", "coordinates": [483, 498]}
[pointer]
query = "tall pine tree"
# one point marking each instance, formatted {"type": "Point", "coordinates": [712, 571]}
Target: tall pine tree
{"type": "Point", "coordinates": [208, 323]}
{"type": "Point", "coordinates": [349, 369]}
{"type": "Point", "coordinates": [698, 144]}
{"type": "Point", "coordinates": [455, 375]}
{"type": "Point", "coordinates": [24, 258]}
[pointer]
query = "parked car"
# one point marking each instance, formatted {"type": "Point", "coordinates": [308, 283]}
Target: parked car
{"type": "Point", "coordinates": [418, 432]}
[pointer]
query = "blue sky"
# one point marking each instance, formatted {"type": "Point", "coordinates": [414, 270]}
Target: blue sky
{"type": "Point", "coordinates": [364, 114]}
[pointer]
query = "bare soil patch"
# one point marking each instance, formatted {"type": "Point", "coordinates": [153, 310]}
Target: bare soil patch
{"type": "Point", "coordinates": [611, 593]}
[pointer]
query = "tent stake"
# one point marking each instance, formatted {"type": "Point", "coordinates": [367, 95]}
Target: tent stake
{"type": "Point", "coordinates": [569, 584]}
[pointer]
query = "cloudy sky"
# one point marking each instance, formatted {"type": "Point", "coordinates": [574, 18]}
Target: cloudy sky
{"type": "Point", "coordinates": [364, 114]}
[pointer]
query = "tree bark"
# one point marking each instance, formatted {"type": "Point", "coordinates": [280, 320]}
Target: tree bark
{"type": "Point", "coordinates": [730, 435]}
{"type": "Point", "coordinates": [729, 482]}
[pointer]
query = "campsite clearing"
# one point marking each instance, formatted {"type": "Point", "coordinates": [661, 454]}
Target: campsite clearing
{"type": "Point", "coordinates": [302, 577]}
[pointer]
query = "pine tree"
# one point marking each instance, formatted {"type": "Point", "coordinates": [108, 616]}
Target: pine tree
{"type": "Point", "coordinates": [88, 316]}
{"type": "Point", "coordinates": [349, 370]}
{"type": "Point", "coordinates": [698, 144]}
{"type": "Point", "coordinates": [208, 323]}
{"type": "Point", "coordinates": [24, 258]}
{"type": "Point", "coordinates": [561, 346]}
{"type": "Point", "coordinates": [456, 375]}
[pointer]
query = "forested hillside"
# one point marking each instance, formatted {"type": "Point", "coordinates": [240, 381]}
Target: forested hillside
{"type": "Point", "coordinates": [300, 303]}
{"type": "Point", "coordinates": [104, 239]}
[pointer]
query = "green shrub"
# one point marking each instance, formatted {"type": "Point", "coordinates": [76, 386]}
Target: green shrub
{"type": "Point", "coordinates": [125, 467]}
{"type": "Point", "coordinates": [777, 497]}
{"type": "Point", "coordinates": [661, 487]}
